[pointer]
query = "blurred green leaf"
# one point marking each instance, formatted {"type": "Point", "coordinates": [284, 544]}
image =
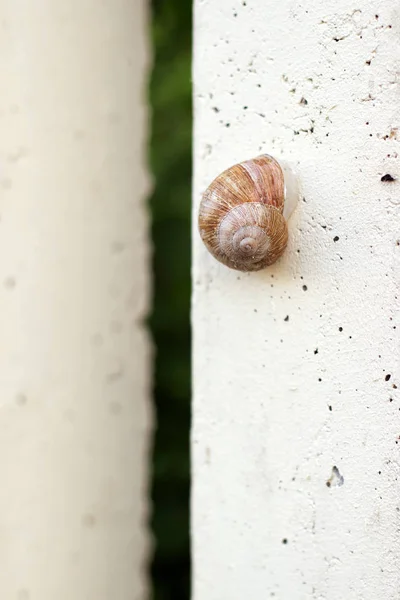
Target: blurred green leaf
{"type": "Point", "coordinates": [170, 157]}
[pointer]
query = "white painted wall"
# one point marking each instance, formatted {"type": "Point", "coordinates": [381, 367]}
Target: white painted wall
{"type": "Point", "coordinates": [74, 368]}
{"type": "Point", "coordinates": [279, 404]}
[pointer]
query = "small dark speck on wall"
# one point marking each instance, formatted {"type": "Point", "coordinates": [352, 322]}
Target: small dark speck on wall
{"type": "Point", "coordinates": [387, 377]}
{"type": "Point", "coordinates": [336, 238]}
{"type": "Point", "coordinates": [388, 177]}
{"type": "Point", "coordinates": [284, 541]}
{"type": "Point", "coordinates": [305, 288]}
{"type": "Point", "coordinates": [336, 478]}
{"type": "Point", "coordinates": [286, 318]}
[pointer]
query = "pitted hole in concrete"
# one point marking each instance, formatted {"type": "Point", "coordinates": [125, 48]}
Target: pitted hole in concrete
{"type": "Point", "coordinates": [115, 370]}
{"type": "Point", "coordinates": [116, 326]}
{"type": "Point", "coordinates": [89, 521]}
{"type": "Point", "coordinates": [17, 154]}
{"type": "Point", "coordinates": [9, 283]}
{"type": "Point", "coordinates": [117, 247]}
{"type": "Point", "coordinates": [21, 399]}
{"type": "Point", "coordinates": [336, 479]}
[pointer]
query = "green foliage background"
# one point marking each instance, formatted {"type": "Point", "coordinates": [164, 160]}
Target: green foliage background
{"type": "Point", "coordinates": [171, 164]}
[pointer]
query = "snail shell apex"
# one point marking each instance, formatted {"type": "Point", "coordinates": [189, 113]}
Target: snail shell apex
{"type": "Point", "coordinates": [241, 218]}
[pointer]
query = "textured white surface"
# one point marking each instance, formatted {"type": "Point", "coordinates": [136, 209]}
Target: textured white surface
{"type": "Point", "coordinates": [74, 414]}
{"type": "Point", "coordinates": [296, 367]}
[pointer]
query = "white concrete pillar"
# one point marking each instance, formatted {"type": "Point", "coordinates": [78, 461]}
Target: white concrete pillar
{"type": "Point", "coordinates": [74, 354]}
{"type": "Point", "coordinates": [296, 368]}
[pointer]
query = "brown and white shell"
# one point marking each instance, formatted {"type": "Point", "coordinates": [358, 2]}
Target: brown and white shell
{"type": "Point", "coordinates": [241, 218]}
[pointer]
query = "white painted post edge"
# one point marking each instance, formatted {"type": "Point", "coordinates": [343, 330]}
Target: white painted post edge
{"type": "Point", "coordinates": [75, 418]}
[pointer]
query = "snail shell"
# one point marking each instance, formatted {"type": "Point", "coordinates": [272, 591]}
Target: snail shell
{"type": "Point", "coordinates": [241, 218]}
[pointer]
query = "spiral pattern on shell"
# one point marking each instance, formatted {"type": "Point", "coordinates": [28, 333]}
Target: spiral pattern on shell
{"type": "Point", "coordinates": [240, 219]}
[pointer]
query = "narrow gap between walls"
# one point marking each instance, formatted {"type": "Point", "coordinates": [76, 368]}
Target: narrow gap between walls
{"type": "Point", "coordinates": [170, 206]}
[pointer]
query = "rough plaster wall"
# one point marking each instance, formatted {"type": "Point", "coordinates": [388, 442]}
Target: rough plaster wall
{"type": "Point", "coordinates": [296, 417]}
{"type": "Point", "coordinates": [74, 377]}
